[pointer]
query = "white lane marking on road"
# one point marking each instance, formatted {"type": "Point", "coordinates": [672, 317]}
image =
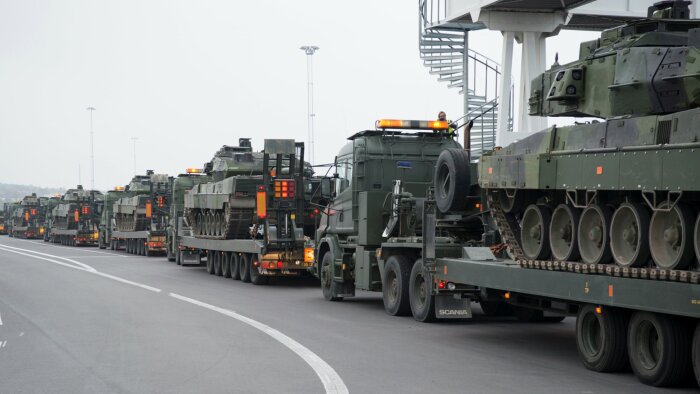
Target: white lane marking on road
{"type": "Point", "coordinates": [332, 382]}
{"type": "Point", "coordinates": [82, 267]}
{"type": "Point", "coordinates": [85, 266]}
{"type": "Point", "coordinates": [42, 243]}
{"type": "Point", "coordinates": [3, 343]}
{"type": "Point", "coordinates": [128, 282]}
{"type": "Point", "coordinates": [0, 320]}
{"type": "Point", "coordinates": [21, 334]}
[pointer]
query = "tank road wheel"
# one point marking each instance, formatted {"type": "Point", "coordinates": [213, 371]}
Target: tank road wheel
{"type": "Point", "coordinates": [244, 263]}
{"type": "Point", "coordinates": [210, 262]}
{"type": "Point", "coordinates": [235, 266]}
{"type": "Point", "coordinates": [628, 234]}
{"type": "Point", "coordinates": [226, 265]}
{"type": "Point", "coordinates": [695, 353]}
{"type": "Point", "coordinates": [562, 233]}
{"type": "Point", "coordinates": [221, 224]}
{"type": "Point", "coordinates": [669, 237]}
{"type": "Point", "coordinates": [593, 229]}
{"type": "Point", "coordinates": [534, 237]}
{"type": "Point", "coordinates": [328, 285]}
{"type": "Point", "coordinates": [420, 294]}
{"type": "Point", "coordinates": [397, 273]}
{"type": "Point", "coordinates": [217, 263]}
{"type": "Point", "coordinates": [256, 277]}
{"type": "Point", "coordinates": [659, 348]}
{"type": "Point", "coordinates": [452, 180]}
{"type": "Point", "coordinates": [601, 338]}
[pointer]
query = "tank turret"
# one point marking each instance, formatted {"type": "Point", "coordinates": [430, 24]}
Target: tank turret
{"type": "Point", "coordinates": [646, 67]}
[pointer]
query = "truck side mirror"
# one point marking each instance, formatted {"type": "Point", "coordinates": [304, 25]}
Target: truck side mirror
{"type": "Point", "coordinates": [326, 188]}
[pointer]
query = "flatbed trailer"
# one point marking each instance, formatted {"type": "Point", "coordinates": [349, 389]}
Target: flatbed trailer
{"type": "Point", "coordinates": [244, 259]}
{"type": "Point", "coordinates": [27, 232]}
{"type": "Point", "coordinates": [73, 237]}
{"type": "Point", "coordinates": [142, 243]}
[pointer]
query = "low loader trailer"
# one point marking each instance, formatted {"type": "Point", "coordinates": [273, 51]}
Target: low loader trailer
{"type": "Point", "coordinates": [74, 237]}
{"type": "Point", "coordinates": [142, 243]}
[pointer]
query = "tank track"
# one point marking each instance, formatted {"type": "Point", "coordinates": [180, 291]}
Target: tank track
{"type": "Point", "coordinates": [237, 224]}
{"type": "Point", "coordinates": [509, 228]}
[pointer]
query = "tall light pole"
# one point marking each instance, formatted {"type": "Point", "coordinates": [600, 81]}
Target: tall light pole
{"type": "Point", "coordinates": [310, 50]}
{"type": "Point", "coordinates": [134, 139]}
{"type": "Point", "coordinates": [92, 151]}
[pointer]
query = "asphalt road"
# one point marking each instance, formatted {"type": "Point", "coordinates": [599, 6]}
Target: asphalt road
{"type": "Point", "coordinates": [84, 320]}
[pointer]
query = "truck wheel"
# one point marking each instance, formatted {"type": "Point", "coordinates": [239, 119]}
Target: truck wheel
{"type": "Point", "coordinates": [328, 285]}
{"type": "Point", "coordinates": [244, 262]}
{"type": "Point", "coordinates": [601, 338]}
{"type": "Point", "coordinates": [452, 180]}
{"type": "Point", "coordinates": [256, 277]}
{"type": "Point", "coordinates": [696, 353]}
{"type": "Point", "coordinates": [178, 257]}
{"type": "Point", "coordinates": [112, 245]}
{"type": "Point", "coordinates": [218, 257]}
{"type": "Point", "coordinates": [421, 294]}
{"type": "Point", "coordinates": [397, 273]}
{"type": "Point", "coordinates": [235, 266]}
{"type": "Point", "coordinates": [226, 265]}
{"type": "Point", "coordinates": [659, 348]}
{"type": "Point", "coordinates": [210, 262]}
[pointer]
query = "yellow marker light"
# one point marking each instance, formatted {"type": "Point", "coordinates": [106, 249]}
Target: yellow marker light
{"type": "Point", "coordinates": [193, 170]}
{"type": "Point", "coordinates": [506, 296]}
{"type": "Point", "coordinates": [412, 124]}
{"type": "Point", "coordinates": [41, 230]}
{"type": "Point", "coordinates": [2, 227]}
{"type": "Point", "coordinates": [149, 209]}
{"type": "Point", "coordinates": [95, 235]}
{"type": "Point", "coordinates": [598, 310]}
{"type": "Point", "coordinates": [118, 188]}
{"type": "Point", "coordinates": [76, 215]}
{"type": "Point", "coordinates": [308, 255]}
{"type": "Point", "coordinates": [261, 202]}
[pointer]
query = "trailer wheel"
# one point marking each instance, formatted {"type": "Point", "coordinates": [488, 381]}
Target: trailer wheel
{"type": "Point", "coordinates": [218, 264]}
{"type": "Point", "coordinates": [659, 349]}
{"type": "Point", "coordinates": [328, 285]}
{"type": "Point", "coordinates": [210, 262]}
{"type": "Point", "coordinates": [235, 266]}
{"type": "Point", "coordinates": [244, 262]}
{"type": "Point", "coordinates": [226, 265]}
{"type": "Point", "coordinates": [421, 294]}
{"type": "Point", "coordinates": [601, 338]}
{"type": "Point", "coordinates": [451, 180]}
{"type": "Point", "coordinates": [256, 277]}
{"type": "Point", "coordinates": [397, 273]}
{"type": "Point", "coordinates": [696, 353]}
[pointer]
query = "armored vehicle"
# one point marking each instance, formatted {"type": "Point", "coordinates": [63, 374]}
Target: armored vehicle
{"type": "Point", "coordinates": [28, 218]}
{"type": "Point", "coordinates": [141, 216]}
{"type": "Point", "coordinates": [250, 227]}
{"type": "Point", "coordinates": [76, 217]}
{"type": "Point", "coordinates": [600, 217]}
{"type": "Point", "coordinates": [50, 203]}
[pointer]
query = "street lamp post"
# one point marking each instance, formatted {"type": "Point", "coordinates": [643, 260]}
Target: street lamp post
{"type": "Point", "coordinates": [134, 139]}
{"type": "Point", "coordinates": [310, 50]}
{"type": "Point", "coordinates": [92, 151]}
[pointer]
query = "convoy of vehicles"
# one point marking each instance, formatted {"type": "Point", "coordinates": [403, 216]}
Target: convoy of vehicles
{"type": "Point", "coordinates": [597, 220]}
{"type": "Point", "coordinates": [3, 221]}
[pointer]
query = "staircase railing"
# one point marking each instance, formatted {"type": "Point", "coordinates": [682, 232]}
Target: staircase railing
{"type": "Point", "coordinates": [441, 47]}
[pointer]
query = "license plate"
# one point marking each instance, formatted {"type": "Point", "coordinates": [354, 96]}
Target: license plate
{"type": "Point", "coordinates": [449, 307]}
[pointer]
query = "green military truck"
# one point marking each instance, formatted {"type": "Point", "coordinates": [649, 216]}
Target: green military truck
{"type": "Point", "coordinates": [76, 217]}
{"type": "Point", "coordinates": [248, 220]}
{"type": "Point", "coordinates": [28, 218]}
{"type": "Point", "coordinates": [177, 227]}
{"type": "Point", "coordinates": [141, 215]}
{"type": "Point", "coordinates": [107, 223]}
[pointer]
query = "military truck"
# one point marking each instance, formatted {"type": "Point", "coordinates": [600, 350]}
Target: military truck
{"type": "Point", "coordinates": [3, 222]}
{"type": "Point", "coordinates": [177, 227]}
{"type": "Point", "coordinates": [370, 235]}
{"type": "Point", "coordinates": [249, 225]}
{"type": "Point", "coordinates": [49, 203]}
{"type": "Point", "coordinates": [107, 222]}
{"type": "Point", "coordinates": [600, 218]}
{"type": "Point", "coordinates": [76, 217]}
{"type": "Point", "coordinates": [9, 210]}
{"type": "Point", "coordinates": [141, 215]}
{"type": "Point", "coordinates": [28, 218]}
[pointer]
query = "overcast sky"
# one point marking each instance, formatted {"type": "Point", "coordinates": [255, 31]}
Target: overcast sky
{"type": "Point", "coordinates": [186, 77]}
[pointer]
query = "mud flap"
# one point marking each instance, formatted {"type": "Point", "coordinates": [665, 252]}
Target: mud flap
{"type": "Point", "coordinates": [452, 306]}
